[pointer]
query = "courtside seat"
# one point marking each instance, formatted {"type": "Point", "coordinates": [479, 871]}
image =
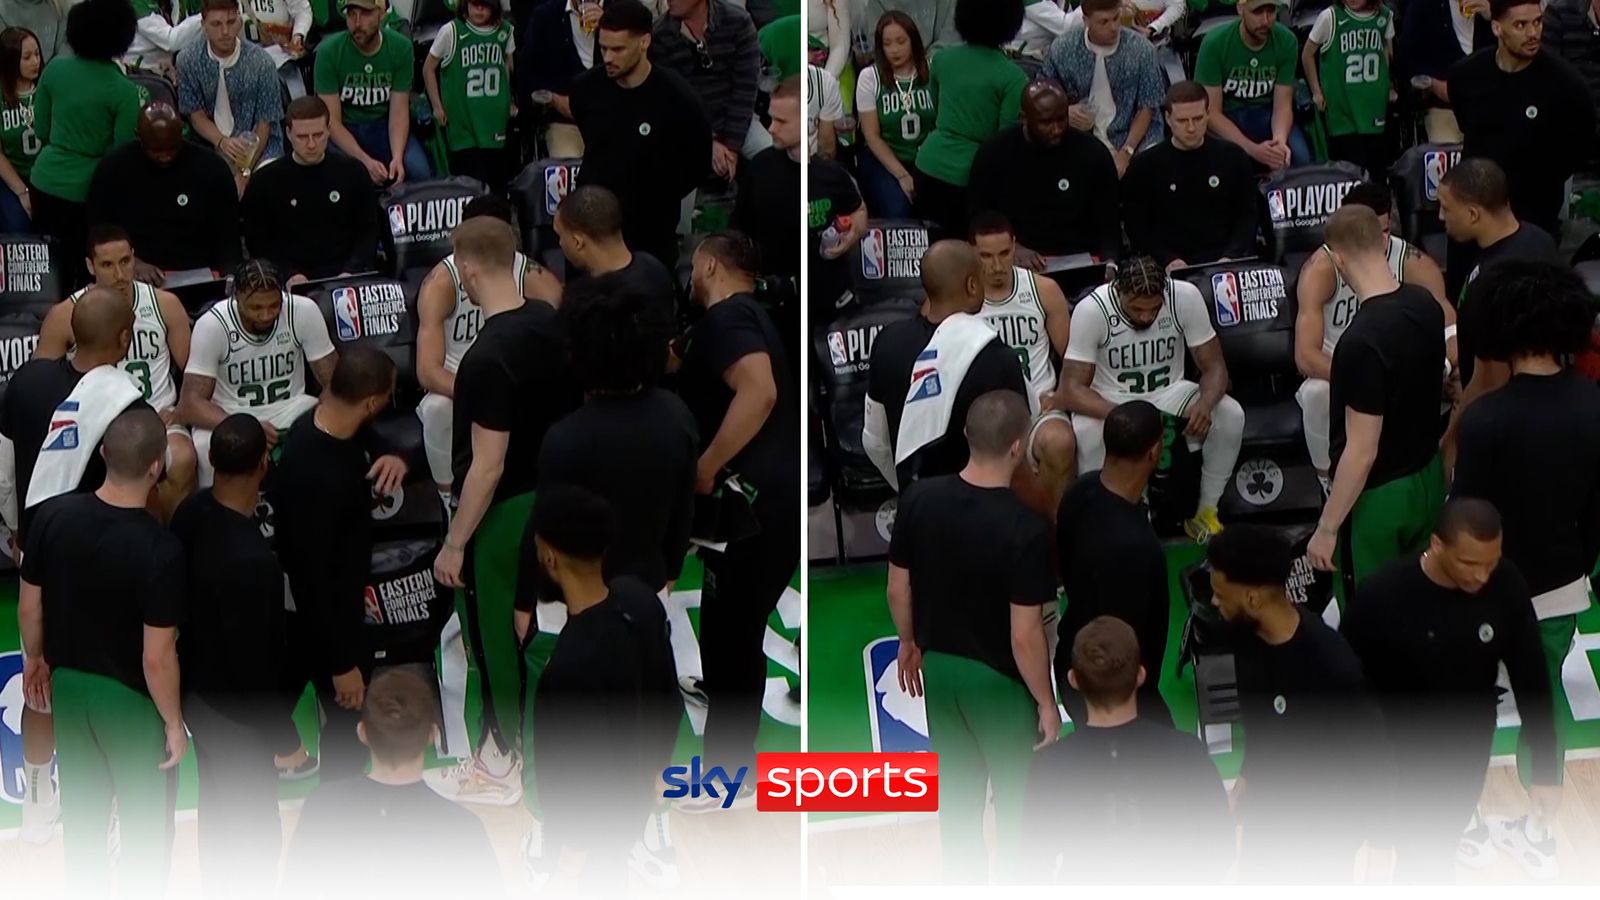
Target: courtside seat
{"type": "Point", "coordinates": [200, 296]}
{"type": "Point", "coordinates": [1416, 175]}
{"type": "Point", "coordinates": [30, 283]}
{"type": "Point", "coordinates": [537, 192]}
{"type": "Point", "coordinates": [422, 215]}
{"type": "Point", "coordinates": [1253, 312]}
{"type": "Point", "coordinates": [1299, 202]}
{"type": "Point", "coordinates": [154, 89]}
{"type": "Point", "coordinates": [843, 367]}
{"type": "Point", "coordinates": [373, 310]}
{"type": "Point", "coordinates": [888, 260]}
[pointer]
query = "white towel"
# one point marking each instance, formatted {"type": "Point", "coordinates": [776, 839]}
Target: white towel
{"type": "Point", "coordinates": [80, 421]}
{"type": "Point", "coordinates": [935, 378]}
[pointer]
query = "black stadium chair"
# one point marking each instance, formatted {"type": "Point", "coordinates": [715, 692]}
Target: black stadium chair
{"type": "Point", "coordinates": [421, 218]}
{"type": "Point", "coordinates": [154, 89]}
{"type": "Point", "coordinates": [1299, 202]}
{"type": "Point", "coordinates": [201, 295]}
{"type": "Point", "coordinates": [1416, 175]}
{"type": "Point", "coordinates": [537, 192]}
{"type": "Point", "coordinates": [372, 310]}
{"type": "Point", "coordinates": [887, 263]}
{"type": "Point", "coordinates": [30, 283]}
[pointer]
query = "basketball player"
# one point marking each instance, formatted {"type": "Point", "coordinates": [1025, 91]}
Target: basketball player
{"type": "Point", "coordinates": [160, 341]}
{"type": "Point", "coordinates": [447, 324]}
{"type": "Point", "coordinates": [1031, 316]}
{"type": "Point", "coordinates": [1128, 340]}
{"type": "Point", "coordinates": [249, 355]}
{"type": "Point", "coordinates": [1328, 303]}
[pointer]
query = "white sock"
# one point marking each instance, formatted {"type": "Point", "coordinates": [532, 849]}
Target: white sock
{"type": "Point", "coordinates": [41, 789]}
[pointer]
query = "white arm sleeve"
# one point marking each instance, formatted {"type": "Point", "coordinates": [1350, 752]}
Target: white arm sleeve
{"type": "Point", "coordinates": [444, 45]}
{"type": "Point", "coordinates": [300, 12]}
{"type": "Point", "coordinates": [875, 439]}
{"type": "Point", "coordinates": [1190, 306]}
{"type": "Point", "coordinates": [207, 346]}
{"type": "Point", "coordinates": [8, 482]}
{"type": "Point", "coordinates": [310, 328]}
{"type": "Point", "coordinates": [1089, 331]}
{"type": "Point", "coordinates": [1047, 15]}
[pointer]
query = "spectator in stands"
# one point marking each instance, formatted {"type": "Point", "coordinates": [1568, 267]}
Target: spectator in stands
{"type": "Point", "coordinates": [19, 144]}
{"type": "Point", "coordinates": [712, 44]}
{"type": "Point", "coordinates": [895, 109]}
{"type": "Point", "coordinates": [177, 201]}
{"type": "Point", "coordinates": [45, 18]}
{"type": "Point", "coordinates": [311, 212]}
{"type": "Point", "coordinates": [556, 46]}
{"type": "Point", "coordinates": [781, 47]}
{"type": "Point", "coordinates": [830, 21]}
{"type": "Point", "coordinates": [1043, 21]}
{"type": "Point", "coordinates": [82, 108]}
{"type": "Point", "coordinates": [631, 110]}
{"type": "Point", "coordinates": [1571, 31]}
{"type": "Point", "coordinates": [364, 75]}
{"type": "Point", "coordinates": [231, 92]}
{"type": "Point", "coordinates": [1191, 200]}
{"type": "Point", "coordinates": [468, 79]}
{"type": "Point", "coordinates": [836, 217]}
{"type": "Point", "coordinates": [1153, 19]}
{"type": "Point", "coordinates": [589, 225]}
{"type": "Point", "coordinates": [768, 182]}
{"type": "Point", "coordinates": [935, 19]}
{"type": "Point", "coordinates": [1435, 35]}
{"type": "Point", "coordinates": [979, 93]}
{"type": "Point", "coordinates": [1112, 73]}
{"type": "Point", "coordinates": [1346, 61]}
{"type": "Point", "coordinates": [824, 112]}
{"type": "Point", "coordinates": [281, 27]}
{"type": "Point", "coordinates": [1528, 111]}
{"type": "Point", "coordinates": [1057, 185]}
{"type": "Point", "coordinates": [164, 26]}
{"type": "Point", "coordinates": [1248, 71]}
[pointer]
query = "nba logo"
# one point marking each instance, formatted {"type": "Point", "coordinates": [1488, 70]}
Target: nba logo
{"type": "Point", "coordinates": [397, 220]}
{"type": "Point", "coordinates": [1434, 164]}
{"type": "Point", "coordinates": [13, 783]}
{"type": "Point", "coordinates": [374, 611]}
{"type": "Point", "coordinates": [346, 314]}
{"type": "Point", "coordinates": [557, 181]}
{"type": "Point", "coordinates": [836, 351]}
{"type": "Point", "coordinates": [1225, 296]}
{"type": "Point", "coordinates": [872, 262]}
{"type": "Point", "coordinates": [899, 721]}
{"type": "Point", "coordinates": [1275, 205]}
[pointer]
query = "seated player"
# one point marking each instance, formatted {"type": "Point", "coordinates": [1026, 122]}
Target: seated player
{"type": "Point", "coordinates": [160, 340]}
{"type": "Point", "coordinates": [1328, 303]}
{"type": "Point", "coordinates": [250, 354]}
{"type": "Point", "coordinates": [1127, 343]}
{"type": "Point", "coordinates": [447, 324]}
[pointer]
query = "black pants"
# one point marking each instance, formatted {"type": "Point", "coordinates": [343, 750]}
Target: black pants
{"type": "Point", "coordinates": [942, 203]}
{"type": "Point", "coordinates": [68, 223]}
{"type": "Point", "coordinates": [239, 832]}
{"type": "Point", "coordinates": [1369, 151]}
{"type": "Point", "coordinates": [492, 167]}
{"type": "Point", "coordinates": [742, 588]}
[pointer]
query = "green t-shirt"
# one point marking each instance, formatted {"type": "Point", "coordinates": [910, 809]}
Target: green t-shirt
{"type": "Point", "coordinates": [17, 137]}
{"type": "Point", "coordinates": [781, 46]}
{"type": "Point", "coordinates": [81, 109]}
{"type": "Point", "coordinates": [979, 92]}
{"type": "Point", "coordinates": [363, 83]}
{"type": "Point", "coordinates": [1247, 77]}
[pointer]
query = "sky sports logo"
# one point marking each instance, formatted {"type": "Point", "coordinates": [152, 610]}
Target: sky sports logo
{"type": "Point", "coordinates": [817, 782]}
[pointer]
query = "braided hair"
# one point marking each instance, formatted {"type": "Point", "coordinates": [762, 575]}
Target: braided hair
{"type": "Point", "coordinates": [1138, 276]}
{"type": "Point", "coordinates": [255, 276]}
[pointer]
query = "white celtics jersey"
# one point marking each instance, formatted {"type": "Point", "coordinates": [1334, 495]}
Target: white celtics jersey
{"type": "Point", "coordinates": [1130, 362]}
{"type": "Point", "coordinates": [260, 373]}
{"type": "Point", "coordinates": [1338, 311]}
{"type": "Point", "coordinates": [149, 360]}
{"type": "Point", "coordinates": [1019, 321]}
{"type": "Point", "coordinates": [461, 328]}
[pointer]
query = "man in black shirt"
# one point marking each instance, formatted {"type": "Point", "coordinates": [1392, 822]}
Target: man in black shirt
{"type": "Point", "coordinates": [952, 276]}
{"type": "Point", "coordinates": [836, 214]}
{"type": "Point", "coordinates": [592, 232]}
{"type": "Point", "coordinates": [645, 133]}
{"type": "Point", "coordinates": [1432, 635]}
{"type": "Point", "coordinates": [1191, 200]}
{"type": "Point", "coordinates": [1123, 789]}
{"type": "Point", "coordinates": [1386, 384]}
{"type": "Point", "coordinates": [178, 201]}
{"type": "Point", "coordinates": [512, 385]}
{"type": "Point", "coordinates": [605, 707]}
{"type": "Point", "coordinates": [736, 379]}
{"type": "Point", "coordinates": [769, 181]}
{"type": "Point", "coordinates": [1526, 110]}
{"type": "Point", "coordinates": [102, 595]}
{"type": "Point", "coordinates": [1306, 788]}
{"type": "Point", "coordinates": [1530, 449]}
{"type": "Point", "coordinates": [321, 495]}
{"type": "Point", "coordinates": [1110, 559]}
{"type": "Point", "coordinates": [969, 574]}
{"type": "Point", "coordinates": [232, 654]}
{"type": "Point", "coordinates": [1057, 185]}
{"type": "Point", "coordinates": [314, 213]}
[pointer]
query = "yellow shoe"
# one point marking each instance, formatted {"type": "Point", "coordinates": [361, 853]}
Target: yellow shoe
{"type": "Point", "coordinates": [1204, 526]}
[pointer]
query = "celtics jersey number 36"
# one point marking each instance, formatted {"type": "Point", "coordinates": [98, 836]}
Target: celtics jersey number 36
{"type": "Point", "coordinates": [260, 374]}
{"type": "Point", "coordinates": [1129, 362]}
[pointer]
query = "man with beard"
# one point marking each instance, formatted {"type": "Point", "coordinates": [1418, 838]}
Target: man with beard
{"type": "Point", "coordinates": [1248, 72]}
{"type": "Point", "coordinates": [364, 75]}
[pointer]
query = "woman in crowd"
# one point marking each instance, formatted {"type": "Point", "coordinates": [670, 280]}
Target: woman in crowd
{"type": "Point", "coordinates": [895, 106]}
{"type": "Point", "coordinates": [20, 62]}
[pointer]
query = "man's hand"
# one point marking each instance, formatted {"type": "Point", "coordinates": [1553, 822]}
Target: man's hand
{"type": "Point", "coordinates": [447, 566]}
{"type": "Point", "coordinates": [1546, 802]}
{"type": "Point", "coordinates": [169, 416]}
{"type": "Point", "coordinates": [297, 46]}
{"type": "Point", "coordinates": [1049, 725]}
{"type": "Point", "coordinates": [1122, 160]}
{"type": "Point", "coordinates": [272, 434]}
{"type": "Point", "coordinates": [1079, 117]}
{"type": "Point", "coordinates": [1199, 420]}
{"type": "Point", "coordinates": [36, 683]}
{"type": "Point", "coordinates": [1175, 265]}
{"type": "Point", "coordinates": [143, 271]}
{"type": "Point", "coordinates": [910, 666]}
{"type": "Point", "coordinates": [724, 160]}
{"type": "Point", "coordinates": [349, 689]}
{"type": "Point", "coordinates": [1028, 259]}
{"type": "Point", "coordinates": [562, 104]}
{"type": "Point", "coordinates": [1320, 550]}
{"type": "Point", "coordinates": [1276, 153]}
{"type": "Point", "coordinates": [705, 477]}
{"type": "Point", "coordinates": [397, 171]}
{"type": "Point", "coordinates": [377, 171]}
{"type": "Point", "coordinates": [387, 474]}
{"type": "Point", "coordinates": [177, 745]}
{"type": "Point", "coordinates": [234, 149]}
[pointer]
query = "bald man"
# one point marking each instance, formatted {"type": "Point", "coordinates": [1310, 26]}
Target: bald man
{"type": "Point", "coordinates": [1056, 184]}
{"type": "Point", "coordinates": [934, 365]}
{"type": "Point", "coordinates": [176, 200]}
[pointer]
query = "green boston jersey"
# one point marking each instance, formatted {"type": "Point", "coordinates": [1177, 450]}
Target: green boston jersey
{"type": "Point", "coordinates": [17, 139]}
{"type": "Point", "coordinates": [905, 108]}
{"type": "Point", "coordinates": [1245, 75]}
{"type": "Point", "coordinates": [475, 85]}
{"type": "Point", "coordinates": [363, 83]}
{"type": "Point", "coordinates": [1355, 71]}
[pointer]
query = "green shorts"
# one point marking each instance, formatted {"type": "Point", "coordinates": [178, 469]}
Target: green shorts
{"type": "Point", "coordinates": [1392, 520]}
{"type": "Point", "coordinates": [487, 608]}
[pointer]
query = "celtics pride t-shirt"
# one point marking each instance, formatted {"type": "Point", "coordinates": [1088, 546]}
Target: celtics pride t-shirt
{"type": "Point", "coordinates": [1247, 76]}
{"type": "Point", "coordinates": [363, 83]}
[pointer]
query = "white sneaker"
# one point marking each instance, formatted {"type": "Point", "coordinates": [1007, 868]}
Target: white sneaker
{"type": "Point", "coordinates": [41, 807]}
{"type": "Point", "coordinates": [469, 782]}
{"type": "Point", "coordinates": [1538, 857]}
{"type": "Point", "coordinates": [654, 858]}
{"type": "Point", "coordinates": [1476, 849]}
{"type": "Point", "coordinates": [706, 803]}
{"type": "Point", "coordinates": [533, 861]}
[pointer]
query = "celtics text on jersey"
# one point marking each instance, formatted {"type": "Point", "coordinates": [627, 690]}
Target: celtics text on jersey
{"type": "Point", "coordinates": [466, 318]}
{"type": "Point", "coordinates": [149, 359]}
{"type": "Point", "coordinates": [259, 373]}
{"type": "Point", "coordinates": [1340, 309]}
{"type": "Point", "coordinates": [1019, 321]}
{"type": "Point", "coordinates": [1129, 362]}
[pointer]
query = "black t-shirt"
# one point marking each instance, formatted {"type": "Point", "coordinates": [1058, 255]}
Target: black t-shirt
{"type": "Point", "coordinates": [645, 276]}
{"type": "Point", "coordinates": [1103, 797]}
{"type": "Point", "coordinates": [1060, 199]}
{"type": "Point", "coordinates": [1527, 243]}
{"type": "Point", "coordinates": [639, 452]}
{"type": "Point", "coordinates": [1432, 655]}
{"type": "Point", "coordinates": [894, 353]}
{"type": "Point", "coordinates": [831, 193]}
{"type": "Point", "coordinates": [513, 379]}
{"type": "Point", "coordinates": [972, 552]}
{"type": "Point", "coordinates": [1195, 205]}
{"type": "Point", "coordinates": [1530, 449]}
{"type": "Point", "coordinates": [30, 402]}
{"type": "Point", "coordinates": [768, 184]}
{"type": "Point", "coordinates": [105, 573]}
{"type": "Point", "coordinates": [1112, 564]}
{"type": "Point", "coordinates": [232, 645]}
{"type": "Point", "coordinates": [727, 333]}
{"type": "Point", "coordinates": [1390, 363]}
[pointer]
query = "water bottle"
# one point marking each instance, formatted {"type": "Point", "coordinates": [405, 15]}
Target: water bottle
{"type": "Point", "coordinates": [833, 235]}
